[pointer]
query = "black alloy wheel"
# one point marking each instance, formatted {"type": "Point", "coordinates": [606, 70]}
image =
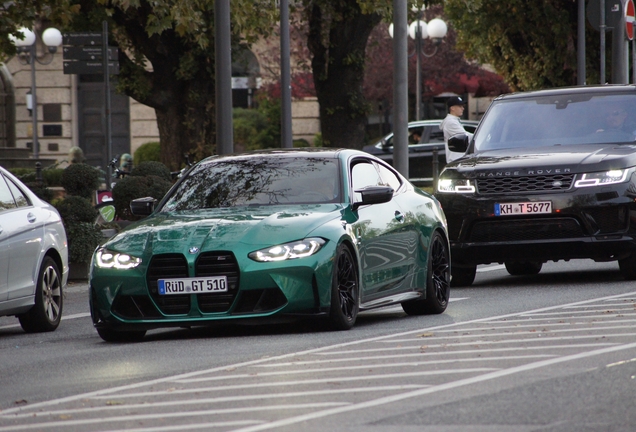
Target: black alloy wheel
{"type": "Point", "coordinates": [437, 281]}
{"type": "Point", "coordinates": [344, 290]}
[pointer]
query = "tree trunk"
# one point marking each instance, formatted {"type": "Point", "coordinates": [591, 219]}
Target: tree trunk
{"type": "Point", "coordinates": [338, 69]}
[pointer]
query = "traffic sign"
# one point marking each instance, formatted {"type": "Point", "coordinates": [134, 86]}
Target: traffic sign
{"type": "Point", "coordinates": [89, 67]}
{"type": "Point", "coordinates": [629, 19]}
{"type": "Point", "coordinates": [88, 53]}
{"type": "Point", "coordinates": [81, 38]}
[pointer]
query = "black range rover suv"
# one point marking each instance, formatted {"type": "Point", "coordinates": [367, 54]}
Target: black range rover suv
{"type": "Point", "coordinates": [549, 175]}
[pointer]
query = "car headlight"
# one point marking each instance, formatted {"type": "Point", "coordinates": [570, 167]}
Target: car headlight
{"type": "Point", "coordinates": [108, 259]}
{"type": "Point", "coordinates": [293, 250]}
{"type": "Point", "coordinates": [455, 186]}
{"type": "Point", "coordinates": [602, 178]}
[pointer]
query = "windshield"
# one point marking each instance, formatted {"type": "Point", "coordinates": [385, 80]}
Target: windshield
{"type": "Point", "coordinates": [257, 181]}
{"type": "Point", "coordinates": [558, 120]}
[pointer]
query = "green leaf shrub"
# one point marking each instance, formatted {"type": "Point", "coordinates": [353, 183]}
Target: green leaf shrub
{"type": "Point", "coordinates": [136, 186]}
{"type": "Point", "coordinates": [74, 209]}
{"type": "Point", "coordinates": [150, 151]}
{"type": "Point", "coordinates": [81, 179]}
{"type": "Point", "coordinates": [83, 238]}
{"type": "Point", "coordinates": [151, 168]}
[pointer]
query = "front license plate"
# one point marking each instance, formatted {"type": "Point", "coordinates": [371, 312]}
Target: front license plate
{"type": "Point", "coordinates": [200, 285]}
{"type": "Point", "coordinates": [540, 207]}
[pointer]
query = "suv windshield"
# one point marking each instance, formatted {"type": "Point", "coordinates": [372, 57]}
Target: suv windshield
{"type": "Point", "coordinates": [558, 120]}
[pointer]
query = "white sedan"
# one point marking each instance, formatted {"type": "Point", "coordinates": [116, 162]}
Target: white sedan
{"type": "Point", "coordinates": [33, 257]}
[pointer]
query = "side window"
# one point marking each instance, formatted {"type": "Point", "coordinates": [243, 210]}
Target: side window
{"type": "Point", "coordinates": [470, 128]}
{"type": "Point", "coordinates": [6, 199]}
{"type": "Point", "coordinates": [436, 135]}
{"type": "Point", "coordinates": [415, 135]}
{"type": "Point", "coordinates": [364, 174]}
{"type": "Point", "coordinates": [389, 178]}
{"type": "Point", "coordinates": [20, 199]}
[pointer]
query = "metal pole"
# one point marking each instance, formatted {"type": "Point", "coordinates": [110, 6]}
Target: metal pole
{"type": "Point", "coordinates": [602, 28]}
{"type": "Point", "coordinates": [400, 88]}
{"type": "Point", "coordinates": [285, 77]}
{"type": "Point", "coordinates": [223, 67]}
{"type": "Point", "coordinates": [580, 74]}
{"type": "Point", "coordinates": [633, 61]}
{"type": "Point", "coordinates": [418, 72]}
{"type": "Point", "coordinates": [109, 134]}
{"type": "Point", "coordinates": [620, 51]}
{"type": "Point", "coordinates": [34, 102]}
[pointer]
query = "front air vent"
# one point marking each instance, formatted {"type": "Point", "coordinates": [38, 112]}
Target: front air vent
{"type": "Point", "coordinates": [164, 267]}
{"type": "Point", "coordinates": [525, 230]}
{"type": "Point", "coordinates": [218, 264]}
{"type": "Point", "coordinates": [527, 184]}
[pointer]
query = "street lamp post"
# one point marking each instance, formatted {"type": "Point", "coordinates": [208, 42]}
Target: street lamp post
{"type": "Point", "coordinates": [419, 30]}
{"type": "Point", "coordinates": [27, 52]}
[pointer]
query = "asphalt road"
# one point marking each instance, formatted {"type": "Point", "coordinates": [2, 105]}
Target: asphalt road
{"type": "Point", "coordinates": [552, 352]}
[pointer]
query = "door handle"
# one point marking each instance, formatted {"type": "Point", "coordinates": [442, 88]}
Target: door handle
{"type": "Point", "coordinates": [31, 217]}
{"type": "Point", "coordinates": [399, 216]}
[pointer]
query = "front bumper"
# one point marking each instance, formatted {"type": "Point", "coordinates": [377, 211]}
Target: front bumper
{"type": "Point", "coordinates": [596, 223]}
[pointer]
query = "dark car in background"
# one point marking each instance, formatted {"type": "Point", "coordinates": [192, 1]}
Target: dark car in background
{"type": "Point", "coordinates": [549, 175]}
{"type": "Point", "coordinates": [425, 137]}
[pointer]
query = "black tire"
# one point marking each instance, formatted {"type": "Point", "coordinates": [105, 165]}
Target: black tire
{"type": "Point", "coordinates": [628, 267]}
{"type": "Point", "coordinates": [46, 313]}
{"type": "Point", "coordinates": [344, 290]}
{"type": "Point", "coordinates": [110, 335]}
{"type": "Point", "coordinates": [437, 281]}
{"type": "Point", "coordinates": [463, 276]}
{"type": "Point", "coordinates": [523, 268]}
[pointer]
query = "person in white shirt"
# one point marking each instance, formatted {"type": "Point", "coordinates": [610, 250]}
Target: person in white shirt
{"type": "Point", "coordinates": [451, 125]}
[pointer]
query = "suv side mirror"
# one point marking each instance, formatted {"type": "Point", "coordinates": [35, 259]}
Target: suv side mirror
{"type": "Point", "coordinates": [143, 206]}
{"type": "Point", "coordinates": [458, 143]}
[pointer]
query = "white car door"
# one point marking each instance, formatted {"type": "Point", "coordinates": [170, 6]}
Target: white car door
{"type": "Point", "coordinates": [24, 229]}
{"type": "Point", "coordinates": [6, 205]}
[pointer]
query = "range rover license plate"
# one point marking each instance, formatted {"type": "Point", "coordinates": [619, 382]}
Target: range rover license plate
{"type": "Point", "coordinates": [201, 285]}
{"type": "Point", "coordinates": [540, 207]}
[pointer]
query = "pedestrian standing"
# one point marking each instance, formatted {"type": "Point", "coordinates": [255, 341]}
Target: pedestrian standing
{"type": "Point", "coordinates": [451, 125]}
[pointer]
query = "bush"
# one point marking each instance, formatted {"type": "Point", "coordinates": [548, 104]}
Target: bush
{"type": "Point", "coordinates": [258, 128]}
{"type": "Point", "coordinates": [151, 168]}
{"type": "Point", "coordinates": [150, 151]}
{"type": "Point", "coordinates": [53, 176]}
{"type": "Point", "coordinates": [40, 190]}
{"type": "Point", "coordinates": [81, 180]}
{"type": "Point", "coordinates": [83, 238]}
{"type": "Point", "coordinates": [318, 140]}
{"type": "Point", "coordinates": [133, 187]}
{"type": "Point", "coordinates": [75, 209]}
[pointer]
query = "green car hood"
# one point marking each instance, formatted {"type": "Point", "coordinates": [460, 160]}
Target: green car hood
{"type": "Point", "coordinates": [216, 229]}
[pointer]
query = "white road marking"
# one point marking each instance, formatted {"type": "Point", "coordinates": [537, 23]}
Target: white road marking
{"type": "Point", "coordinates": [64, 318]}
{"type": "Point", "coordinates": [433, 389]}
{"type": "Point", "coordinates": [322, 350]}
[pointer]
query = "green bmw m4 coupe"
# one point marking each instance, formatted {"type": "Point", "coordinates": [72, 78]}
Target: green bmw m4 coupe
{"type": "Point", "coordinates": [285, 234]}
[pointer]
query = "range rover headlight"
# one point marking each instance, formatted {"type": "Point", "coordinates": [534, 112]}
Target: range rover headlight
{"type": "Point", "coordinates": [105, 258]}
{"type": "Point", "coordinates": [602, 178]}
{"type": "Point", "coordinates": [287, 251]}
{"type": "Point", "coordinates": [456, 186]}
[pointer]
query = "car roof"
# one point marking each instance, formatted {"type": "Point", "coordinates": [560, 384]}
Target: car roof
{"type": "Point", "coordinates": [607, 89]}
{"type": "Point", "coordinates": [324, 152]}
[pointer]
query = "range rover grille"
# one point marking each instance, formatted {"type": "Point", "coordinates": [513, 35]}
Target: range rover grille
{"type": "Point", "coordinates": [511, 185]}
{"type": "Point", "coordinates": [525, 230]}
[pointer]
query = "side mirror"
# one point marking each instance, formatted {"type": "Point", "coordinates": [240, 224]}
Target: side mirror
{"type": "Point", "coordinates": [374, 195]}
{"type": "Point", "coordinates": [458, 143]}
{"type": "Point", "coordinates": [143, 206]}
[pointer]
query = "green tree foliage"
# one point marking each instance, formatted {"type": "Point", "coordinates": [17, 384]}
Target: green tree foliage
{"type": "Point", "coordinates": [337, 36]}
{"type": "Point", "coordinates": [166, 55]}
{"type": "Point", "coordinates": [150, 151]}
{"type": "Point", "coordinates": [532, 44]}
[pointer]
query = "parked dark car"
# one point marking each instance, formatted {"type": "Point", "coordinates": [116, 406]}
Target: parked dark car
{"type": "Point", "coordinates": [549, 175]}
{"type": "Point", "coordinates": [424, 137]}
